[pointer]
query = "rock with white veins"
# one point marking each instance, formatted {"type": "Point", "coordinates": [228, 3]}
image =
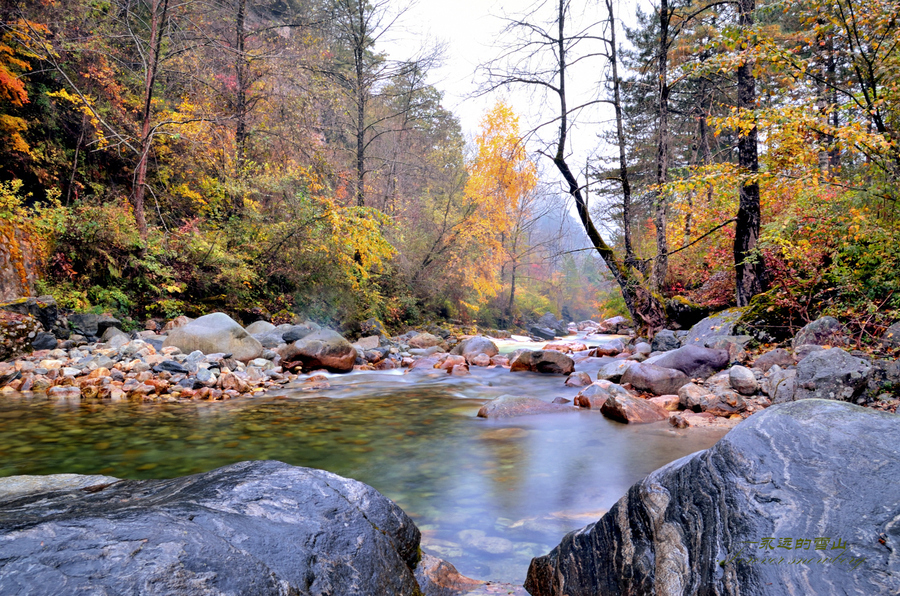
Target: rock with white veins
{"type": "Point", "coordinates": [805, 470]}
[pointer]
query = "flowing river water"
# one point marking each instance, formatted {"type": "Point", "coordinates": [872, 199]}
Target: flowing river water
{"type": "Point", "coordinates": [487, 495]}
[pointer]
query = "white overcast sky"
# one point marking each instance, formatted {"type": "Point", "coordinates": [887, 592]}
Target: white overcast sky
{"type": "Point", "coordinates": [471, 31]}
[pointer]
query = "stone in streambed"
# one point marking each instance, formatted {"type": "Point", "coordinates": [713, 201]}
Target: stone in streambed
{"type": "Point", "coordinates": [831, 374]}
{"type": "Point", "coordinates": [215, 333]}
{"type": "Point", "coordinates": [595, 395]}
{"type": "Point", "coordinates": [542, 361]}
{"type": "Point", "coordinates": [632, 410]}
{"type": "Point", "coordinates": [803, 470]}
{"type": "Point", "coordinates": [578, 379]}
{"type": "Point", "coordinates": [322, 349]}
{"type": "Point", "coordinates": [476, 345]}
{"type": "Point", "coordinates": [824, 331]}
{"type": "Point", "coordinates": [743, 380]}
{"type": "Point", "coordinates": [613, 371]}
{"type": "Point", "coordinates": [258, 327]}
{"type": "Point", "coordinates": [665, 341]}
{"type": "Point", "coordinates": [692, 360]}
{"type": "Point", "coordinates": [655, 379]}
{"type": "Point", "coordinates": [508, 406]}
{"type": "Point", "coordinates": [250, 528]}
{"type": "Point", "coordinates": [778, 356]}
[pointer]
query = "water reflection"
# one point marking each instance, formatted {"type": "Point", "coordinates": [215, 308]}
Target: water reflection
{"type": "Point", "coordinates": [488, 495]}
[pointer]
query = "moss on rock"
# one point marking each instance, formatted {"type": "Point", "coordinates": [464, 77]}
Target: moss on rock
{"type": "Point", "coordinates": [766, 320]}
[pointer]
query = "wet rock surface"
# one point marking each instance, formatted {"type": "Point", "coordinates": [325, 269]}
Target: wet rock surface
{"type": "Point", "coordinates": [508, 406]}
{"type": "Point", "coordinates": [696, 525]}
{"type": "Point", "coordinates": [655, 379]}
{"type": "Point", "coordinates": [252, 528]}
{"type": "Point", "coordinates": [543, 361]}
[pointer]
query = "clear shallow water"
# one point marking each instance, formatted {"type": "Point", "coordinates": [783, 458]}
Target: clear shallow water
{"type": "Point", "coordinates": [487, 495]}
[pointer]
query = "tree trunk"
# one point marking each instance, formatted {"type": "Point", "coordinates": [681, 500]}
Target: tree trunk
{"type": "Point", "coordinates": [158, 11]}
{"type": "Point", "coordinates": [512, 292]}
{"type": "Point", "coordinates": [240, 133]}
{"type": "Point", "coordinates": [359, 53]}
{"type": "Point", "coordinates": [630, 259]}
{"type": "Point", "coordinates": [661, 263]}
{"type": "Point", "coordinates": [646, 309]}
{"type": "Point", "coordinates": [749, 267]}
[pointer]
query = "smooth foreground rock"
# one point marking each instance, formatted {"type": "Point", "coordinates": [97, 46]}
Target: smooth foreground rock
{"type": "Point", "coordinates": [508, 406]}
{"type": "Point", "coordinates": [251, 528]}
{"type": "Point", "coordinates": [215, 333]}
{"type": "Point", "coordinates": [322, 349]}
{"type": "Point", "coordinates": [655, 379]}
{"type": "Point", "coordinates": [543, 361]}
{"type": "Point", "coordinates": [803, 471]}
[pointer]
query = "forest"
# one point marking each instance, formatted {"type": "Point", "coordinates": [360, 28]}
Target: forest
{"type": "Point", "coordinates": [167, 157]}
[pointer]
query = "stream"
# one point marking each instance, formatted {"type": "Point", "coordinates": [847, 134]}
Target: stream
{"type": "Point", "coordinates": [487, 495]}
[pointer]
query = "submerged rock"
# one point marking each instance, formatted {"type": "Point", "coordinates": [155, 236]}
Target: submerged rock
{"type": "Point", "coordinates": [508, 406]}
{"type": "Point", "coordinates": [727, 520]}
{"type": "Point", "coordinates": [251, 528]}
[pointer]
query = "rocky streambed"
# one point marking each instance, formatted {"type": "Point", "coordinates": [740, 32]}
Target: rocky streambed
{"type": "Point", "coordinates": [707, 377]}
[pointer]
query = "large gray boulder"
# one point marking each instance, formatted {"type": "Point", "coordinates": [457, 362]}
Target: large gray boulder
{"type": "Point", "coordinates": [831, 374]}
{"type": "Point", "coordinates": [820, 472]}
{"type": "Point", "coordinates": [824, 331]}
{"type": "Point", "coordinates": [543, 361]}
{"type": "Point", "coordinates": [551, 322]}
{"type": "Point", "coordinates": [655, 379]}
{"type": "Point", "coordinates": [692, 360]}
{"type": "Point", "coordinates": [251, 528]}
{"type": "Point", "coordinates": [322, 349]}
{"type": "Point", "coordinates": [721, 323]}
{"type": "Point", "coordinates": [215, 333]}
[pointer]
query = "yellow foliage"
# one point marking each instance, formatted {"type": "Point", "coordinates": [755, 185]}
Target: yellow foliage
{"type": "Point", "coordinates": [500, 177]}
